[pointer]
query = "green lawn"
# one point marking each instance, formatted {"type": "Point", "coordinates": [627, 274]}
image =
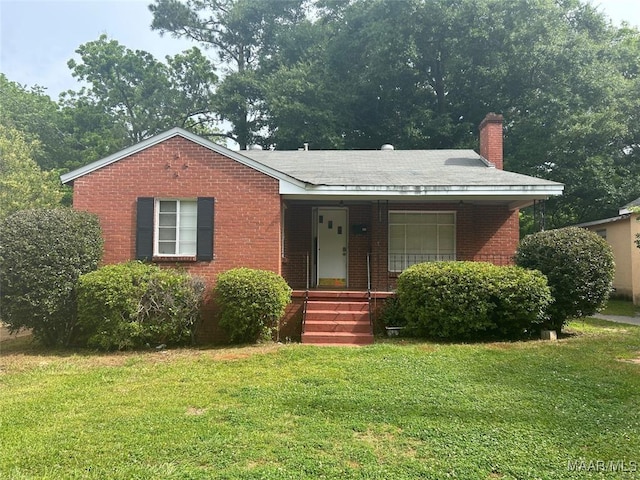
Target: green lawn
{"type": "Point", "coordinates": [621, 307]}
{"type": "Point", "coordinates": [395, 410]}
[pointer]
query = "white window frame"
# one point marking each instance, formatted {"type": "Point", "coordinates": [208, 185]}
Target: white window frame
{"type": "Point", "coordinates": [156, 228]}
{"type": "Point", "coordinates": [437, 256]}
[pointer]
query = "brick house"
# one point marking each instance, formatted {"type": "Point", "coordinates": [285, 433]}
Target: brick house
{"type": "Point", "coordinates": [344, 221]}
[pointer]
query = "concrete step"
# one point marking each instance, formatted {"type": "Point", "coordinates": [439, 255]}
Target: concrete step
{"type": "Point", "coordinates": [337, 315]}
{"type": "Point", "coordinates": [337, 338]}
{"type": "Point", "coordinates": [355, 306]}
{"type": "Point", "coordinates": [337, 318]}
{"type": "Point", "coordinates": [331, 294]}
{"type": "Point", "coordinates": [319, 326]}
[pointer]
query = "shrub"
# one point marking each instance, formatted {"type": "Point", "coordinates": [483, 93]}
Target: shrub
{"type": "Point", "coordinates": [522, 298]}
{"type": "Point", "coordinates": [391, 313]}
{"type": "Point", "coordinates": [579, 266]}
{"type": "Point", "coordinates": [468, 299]}
{"type": "Point", "coordinates": [42, 254]}
{"type": "Point", "coordinates": [132, 305]}
{"type": "Point", "coordinates": [251, 303]}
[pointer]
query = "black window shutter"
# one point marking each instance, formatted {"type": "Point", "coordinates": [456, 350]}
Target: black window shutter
{"type": "Point", "coordinates": [144, 229]}
{"type": "Point", "coordinates": [205, 229]}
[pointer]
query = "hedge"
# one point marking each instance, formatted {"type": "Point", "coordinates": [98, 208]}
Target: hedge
{"type": "Point", "coordinates": [579, 266]}
{"type": "Point", "coordinates": [251, 303]}
{"type": "Point", "coordinates": [42, 254]}
{"type": "Point", "coordinates": [134, 305]}
{"type": "Point", "coordinates": [462, 300]}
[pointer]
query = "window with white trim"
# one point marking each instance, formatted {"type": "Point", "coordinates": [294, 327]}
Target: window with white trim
{"type": "Point", "coordinates": [176, 227]}
{"type": "Point", "coordinates": [420, 236]}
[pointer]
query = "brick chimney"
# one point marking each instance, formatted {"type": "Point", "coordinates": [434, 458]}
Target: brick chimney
{"type": "Point", "coordinates": [491, 139]}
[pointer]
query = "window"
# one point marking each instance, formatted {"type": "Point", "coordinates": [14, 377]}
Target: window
{"type": "Point", "coordinates": [176, 223]}
{"type": "Point", "coordinates": [417, 236]}
{"type": "Point", "coordinates": [174, 228]}
{"type": "Point", "coordinates": [602, 233]}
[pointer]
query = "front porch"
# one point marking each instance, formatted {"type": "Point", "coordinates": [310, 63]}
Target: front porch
{"type": "Point", "coordinates": [364, 245]}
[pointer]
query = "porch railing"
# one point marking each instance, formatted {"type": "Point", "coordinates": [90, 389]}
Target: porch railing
{"type": "Point", "coordinates": [368, 271]}
{"type": "Point", "coordinates": [495, 258]}
{"type": "Point", "coordinates": [306, 296]}
{"type": "Point", "coordinates": [369, 287]}
{"type": "Point", "coordinates": [400, 261]}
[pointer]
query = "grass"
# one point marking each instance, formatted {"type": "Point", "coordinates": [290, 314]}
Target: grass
{"type": "Point", "coordinates": [621, 307]}
{"type": "Point", "coordinates": [396, 410]}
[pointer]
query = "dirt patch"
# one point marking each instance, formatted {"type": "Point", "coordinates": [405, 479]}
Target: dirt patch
{"type": "Point", "coordinates": [232, 356]}
{"type": "Point", "coordinates": [6, 335]}
{"type": "Point", "coordinates": [635, 361]}
{"type": "Point", "coordinates": [196, 411]}
{"type": "Point", "coordinates": [21, 354]}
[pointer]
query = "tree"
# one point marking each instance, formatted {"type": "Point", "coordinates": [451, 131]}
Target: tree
{"type": "Point", "coordinates": [93, 132]}
{"type": "Point", "coordinates": [422, 74]}
{"type": "Point", "coordinates": [142, 95]}
{"type": "Point", "coordinates": [63, 135]}
{"type": "Point", "coordinates": [360, 73]}
{"type": "Point", "coordinates": [33, 113]}
{"type": "Point", "coordinates": [22, 183]}
{"type": "Point", "coordinates": [243, 34]}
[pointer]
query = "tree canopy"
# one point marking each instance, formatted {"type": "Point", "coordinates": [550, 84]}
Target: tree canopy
{"type": "Point", "coordinates": [22, 183]}
{"type": "Point", "coordinates": [422, 74]}
{"type": "Point", "coordinates": [144, 95]}
{"type": "Point", "coordinates": [361, 73]}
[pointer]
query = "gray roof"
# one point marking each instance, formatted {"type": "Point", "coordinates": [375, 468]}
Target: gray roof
{"type": "Point", "coordinates": [391, 168]}
{"type": "Point", "coordinates": [369, 174]}
{"type": "Point", "coordinates": [630, 207]}
{"type": "Point", "coordinates": [635, 203]}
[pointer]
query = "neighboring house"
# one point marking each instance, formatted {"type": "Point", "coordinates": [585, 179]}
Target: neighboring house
{"type": "Point", "coordinates": [345, 220]}
{"type": "Point", "coordinates": [620, 232]}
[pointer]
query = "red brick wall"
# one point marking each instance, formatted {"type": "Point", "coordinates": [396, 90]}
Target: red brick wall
{"type": "Point", "coordinates": [491, 138]}
{"type": "Point", "coordinates": [297, 221]}
{"type": "Point", "coordinates": [379, 242]}
{"type": "Point", "coordinates": [488, 233]}
{"type": "Point", "coordinates": [359, 246]}
{"type": "Point", "coordinates": [247, 203]}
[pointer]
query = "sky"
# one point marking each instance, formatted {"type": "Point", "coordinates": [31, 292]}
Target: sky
{"type": "Point", "coordinates": [38, 37]}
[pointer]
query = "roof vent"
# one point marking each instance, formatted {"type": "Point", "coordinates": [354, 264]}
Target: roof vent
{"type": "Point", "coordinates": [254, 147]}
{"type": "Point", "coordinates": [387, 146]}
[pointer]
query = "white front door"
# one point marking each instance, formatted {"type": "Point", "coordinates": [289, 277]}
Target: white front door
{"type": "Point", "coordinates": [332, 233]}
